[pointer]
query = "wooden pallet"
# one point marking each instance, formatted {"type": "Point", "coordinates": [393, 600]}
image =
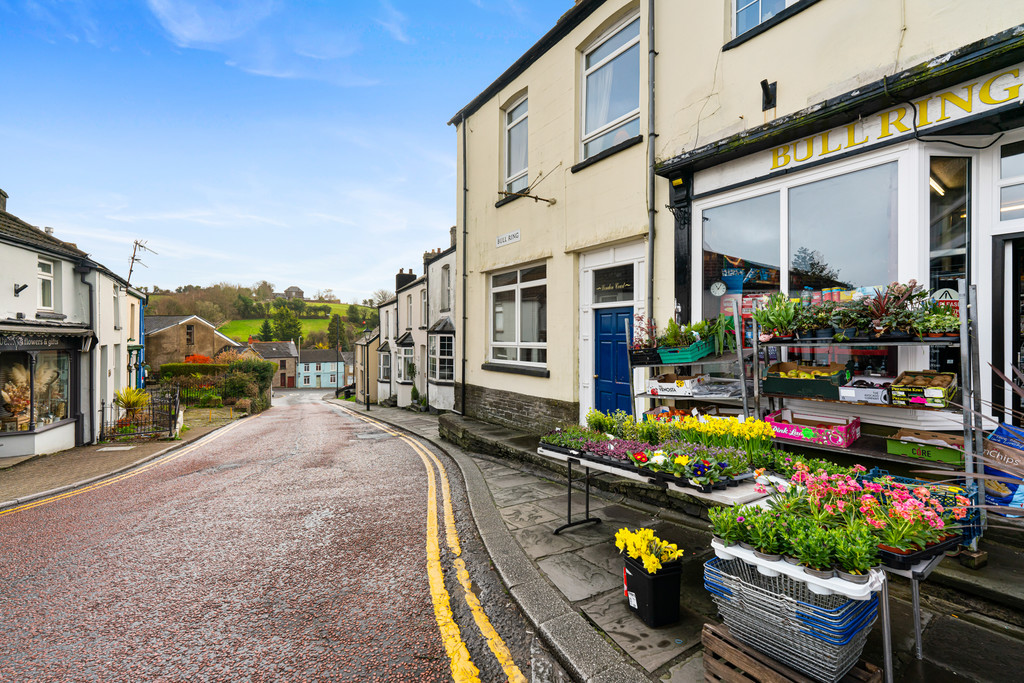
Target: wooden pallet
{"type": "Point", "coordinates": [727, 659]}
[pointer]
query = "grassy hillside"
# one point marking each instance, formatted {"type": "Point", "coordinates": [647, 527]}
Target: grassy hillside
{"type": "Point", "coordinates": [239, 330]}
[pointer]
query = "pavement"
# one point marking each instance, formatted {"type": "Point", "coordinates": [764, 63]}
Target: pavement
{"type": "Point", "coordinates": [570, 585]}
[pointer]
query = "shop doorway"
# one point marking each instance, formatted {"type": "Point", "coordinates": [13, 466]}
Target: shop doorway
{"type": "Point", "coordinates": [1008, 322]}
{"type": "Point", "coordinates": [611, 361]}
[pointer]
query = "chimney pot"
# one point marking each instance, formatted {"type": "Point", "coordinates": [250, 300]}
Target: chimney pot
{"type": "Point", "coordinates": [3, 200]}
{"type": "Point", "coordinates": [48, 230]}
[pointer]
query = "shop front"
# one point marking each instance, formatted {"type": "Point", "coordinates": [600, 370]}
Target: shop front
{"type": "Point", "coordinates": [927, 188]}
{"type": "Point", "coordinates": [41, 385]}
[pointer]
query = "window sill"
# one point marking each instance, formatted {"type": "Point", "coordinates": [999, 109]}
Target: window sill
{"type": "Point", "coordinates": [442, 382]}
{"type": "Point", "coordinates": [445, 310]}
{"type": "Point", "coordinates": [40, 428]}
{"type": "Point", "coordinates": [403, 381]}
{"type": "Point", "coordinates": [767, 25]}
{"type": "Point", "coordinates": [507, 199]}
{"type": "Point", "coordinates": [614, 149]}
{"type": "Point", "coordinates": [423, 327]}
{"type": "Point", "coordinates": [50, 315]}
{"type": "Point", "coordinates": [517, 369]}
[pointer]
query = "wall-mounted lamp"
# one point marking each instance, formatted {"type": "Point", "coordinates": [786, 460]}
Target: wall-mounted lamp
{"type": "Point", "coordinates": [18, 289]}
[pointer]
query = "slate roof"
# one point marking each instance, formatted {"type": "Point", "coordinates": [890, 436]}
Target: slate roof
{"type": "Point", "coordinates": [319, 355]}
{"type": "Point", "coordinates": [384, 348]}
{"type": "Point", "coordinates": [275, 349]}
{"type": "Point", "coordinates": [155, 323]}
{"type": "Point", "coordinates": [442, 326]}
{"type": "Point", "coordinates": [348, 357]}
{"type": "Point", "coordinates": [405, 340]}
{"type": "Point", "coordinates": [368, 337]}
{"type": "Point", "coordinates": [13, 229]}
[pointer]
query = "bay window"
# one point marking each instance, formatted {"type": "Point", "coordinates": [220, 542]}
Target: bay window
{"type": "Point", "coordinates": [611, 90]}
{"type": "Point", "coordinates": [441, 357]}
{"type": "Point", "coordinates": [406, 368]}
{"type": "Point", "coordinates": [384, 367]}
{"type": "Point", "coordinates": [519, 326]}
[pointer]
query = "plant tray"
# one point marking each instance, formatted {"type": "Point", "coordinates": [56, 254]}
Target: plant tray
{"type": "Point", "coordinates": [818, 429]}
{"type": "Point", "coordinates": [644, 357]}
{"type": "Point", "coordinates": [901, 561]}
{"type": "Point", "coordinates": [689, 354]}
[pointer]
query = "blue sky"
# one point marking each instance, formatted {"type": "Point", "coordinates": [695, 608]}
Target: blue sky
{"type": "Point", "coordinates": [300, 142]}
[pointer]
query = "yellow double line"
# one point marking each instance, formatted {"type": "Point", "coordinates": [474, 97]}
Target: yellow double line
{"type": "Point", "coordinates": [121, 477]}
{"type": "Point", "coordinates": [462, 666]}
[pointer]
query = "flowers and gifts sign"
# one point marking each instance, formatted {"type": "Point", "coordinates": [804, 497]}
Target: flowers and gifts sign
{"type": "Point", "coordinates": [18, 342]}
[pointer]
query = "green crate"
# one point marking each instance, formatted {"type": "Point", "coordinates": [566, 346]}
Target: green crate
{"type": "Point", "coordinates": [689, 354]}
{"type": "Point", "coordinates": [924, 451]}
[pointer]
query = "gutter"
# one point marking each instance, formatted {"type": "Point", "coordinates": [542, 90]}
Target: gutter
{"type": "Point", "coordinates": [82, 269]}
{"type": "Point", "coordinates": [465, 249]}
{"type": "Point", "coordinates": [651, 175]}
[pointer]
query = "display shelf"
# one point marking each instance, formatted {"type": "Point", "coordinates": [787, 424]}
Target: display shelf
{"type": "Point", "coordinates": [868, 446]}
{"type": "Point", "coordinates": [952, 411]}
{"type": "Point", "coordinates": [738, 400]}
{"type": "Point", "coordinates": [868, 342]}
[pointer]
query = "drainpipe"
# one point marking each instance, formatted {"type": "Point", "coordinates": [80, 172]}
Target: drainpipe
{"type": "Point", "coordinates": [651, 135]}
{"type": "Point", "coordinates": [82, 271]}
{"type": "Point", "coordinates": [465, 249]}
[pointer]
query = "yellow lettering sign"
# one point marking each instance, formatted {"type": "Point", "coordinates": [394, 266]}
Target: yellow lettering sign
{"type": "Point", "coordinates": [1012, 92]}
{"type": "Point", "coordinates": [888, 123]}
{"type": "Point", "coordinates": [851, 136]}
{"type": "Point", "coordinates": [824, 145]}
{"type": "Point", "coordinates": [810, 150]}
{"type": "Point", "coordinates": [780, 157]}
{"type": "Point", "coordinates": [922, 112]}
{"type": "Point", "coordinates": [956, 101]}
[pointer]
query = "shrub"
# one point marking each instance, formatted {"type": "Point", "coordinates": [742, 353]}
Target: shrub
{"type": "Point", "coordinates": [262, 370]}
{"type": "Point", "coordinates": [168, 370]}
{"type": "Point", "coordinates": [226, 357]}
{"type": "Point", "coordinates": [237, 384]}
{"type": "Point", "coordinates": [210, 400]}
{"type": "Point", "coordinates": [198, 358]}
{"type": "Point", "coordinates": [244, 405]}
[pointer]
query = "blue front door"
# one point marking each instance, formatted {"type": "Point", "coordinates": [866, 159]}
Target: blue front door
{"type": "Point", "coordinates": [611, 362]}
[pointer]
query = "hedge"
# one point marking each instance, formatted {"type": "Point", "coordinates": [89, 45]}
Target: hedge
{"type": "Point", "coordinates": [187, 369]}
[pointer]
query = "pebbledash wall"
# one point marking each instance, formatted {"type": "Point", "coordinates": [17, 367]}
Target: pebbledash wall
{"type": "Point", "coordinates": [718, 135]}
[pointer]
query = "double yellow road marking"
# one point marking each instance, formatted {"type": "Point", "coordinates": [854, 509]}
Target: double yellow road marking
{"type": "Point", "coordinates": [462, 666]}
{"type": "Point", "coordinates": [124, 475]}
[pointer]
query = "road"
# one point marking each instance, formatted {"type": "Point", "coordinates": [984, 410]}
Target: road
{"type": "Point", "coordinates": [301, 544]}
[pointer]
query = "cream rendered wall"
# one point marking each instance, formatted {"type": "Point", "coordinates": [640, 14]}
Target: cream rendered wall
{"type": "Point", "coordinates": [826, 50]}
{"type": "Point", "coordinates": [601, 204]}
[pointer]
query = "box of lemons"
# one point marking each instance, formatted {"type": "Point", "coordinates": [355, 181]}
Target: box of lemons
{"type": "Point", "coordinates": [806, 381]}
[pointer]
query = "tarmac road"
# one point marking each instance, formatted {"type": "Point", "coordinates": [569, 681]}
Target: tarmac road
{"type": "Point", "coordinates": [301, 544]}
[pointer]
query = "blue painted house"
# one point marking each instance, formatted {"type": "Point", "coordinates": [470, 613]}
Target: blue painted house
{"type": "Point", "coordinates": [321, 369]}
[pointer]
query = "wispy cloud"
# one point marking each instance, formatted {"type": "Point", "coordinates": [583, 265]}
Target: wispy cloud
{"type": "Point", "coordinates": [394, 22]}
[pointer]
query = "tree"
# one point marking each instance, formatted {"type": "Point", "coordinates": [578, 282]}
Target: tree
{"type": "Point", "coordinates": [354, 316]}
{"type": "Point", "coordinates": [315, 340]}
{"type": "Point", "coordinates": [347, 342]}
{"type": "Point", "coordinates": [266, 331]}
{"type": "Point", "coordinates": [815, 269]}
{"type": "Point", "coordinates": [263, 290]}
{"type": "Point", "coordinates": [381, 295]}
{"type": "Point", "coordinates": [286, 325]}
{"type": "Point", "coordinates": [372, 320]}
{"type": "Point", "coordinates": [245, 306]}
{"type": "Point", "coordinates": [334, 331]}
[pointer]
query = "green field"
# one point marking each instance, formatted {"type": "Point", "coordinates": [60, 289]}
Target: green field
{"type": "Point", "coordinates": [239, 330]}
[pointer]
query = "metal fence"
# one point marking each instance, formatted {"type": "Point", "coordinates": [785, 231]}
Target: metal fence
{"type": "Point", "coordinates": [192, 390]}
{"type": "Point", "coordinates": [159, 417]}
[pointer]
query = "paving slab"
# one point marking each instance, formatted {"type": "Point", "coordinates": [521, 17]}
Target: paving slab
{"type": "Point", "coordinates": [620, 516]}
{"type": "Point", "coordinates": [504, 481]}
{"type": "Point", "coordinates": [604, 555]}
{"type": "Point", "coordinates": [526, 514]}
{"type": "Point", "coordinates": [523, 494]}
{"type": "Point", "coordinates": [650, 647]}
{"type": "Point", "coordinates": [690, 671]}
{"type": "Point", "coordinates": [961, 646]}
{"type": "Point", "coordinates": [576, 578]}
{"type": "Point", "coordinates": [559, 503]}
{"type": "Point", "coordinates": [538, 541]}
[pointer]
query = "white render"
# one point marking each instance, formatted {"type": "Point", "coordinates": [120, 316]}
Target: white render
{"type": "Point", "coordinates": [441, 395]}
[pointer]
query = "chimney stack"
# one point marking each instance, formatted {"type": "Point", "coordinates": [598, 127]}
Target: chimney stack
{"type": "Point", "coordinates": [452, 233]}
{"type": "Point", "coordinates": [3, 200]}
{"type": "Point", "coordinates": [403, 278]}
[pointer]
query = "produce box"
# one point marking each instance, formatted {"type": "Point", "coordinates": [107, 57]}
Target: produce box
{"type": "Point", "coordinates": [828, 431]}
{"type": "Point", "coordinates": [806, 381]}
{"type": "Point", "coordinates": [671, 384]}
{"type": "Point", "coordinates": [934, 446]}
{"type": "Point", "coordinates": [864, 389]}
{"type": "Point", "coordinates": [926, 388]}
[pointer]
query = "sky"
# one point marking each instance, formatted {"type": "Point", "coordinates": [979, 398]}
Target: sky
{"type": "Point", "coordinates": [304, 143]}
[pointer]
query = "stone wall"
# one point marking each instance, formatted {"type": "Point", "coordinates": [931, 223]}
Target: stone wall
{"type": "Point", "coordinates": [526, 413]}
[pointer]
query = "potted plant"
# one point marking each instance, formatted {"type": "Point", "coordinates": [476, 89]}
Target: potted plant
{"type": "Point", "coordinates": [848, 318]}
{"type": "Point", "coordinates": [725, 525]}
{"type": "Point", "coordinates": [702, 474]}
{"type": "Point", "coordinates": [685, 344]}
{"type": "Point", "coordinates": [652, 572]}
{"type": "Point", "coordinates": [892, 309]}
{"type": "Point", "coordinates": [643, 347]}
{"type": "Point", "coordinates": [856, 551]}
{"type": "Point", "coordinates": [812, 546]}
{"type": "Point", "coordinates": [766, 536]}
{"type": "Point", "coordinates": [815, 320]}
{"type": "Point", "coordinates": [778, 316]}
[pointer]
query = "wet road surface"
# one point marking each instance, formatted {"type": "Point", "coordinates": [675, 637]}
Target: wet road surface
{"type": "Point", "coordinates": [295, 545]}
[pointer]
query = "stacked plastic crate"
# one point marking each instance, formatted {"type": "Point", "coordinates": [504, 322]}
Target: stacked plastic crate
{"type": "Point", "coordinates": [819, 635]}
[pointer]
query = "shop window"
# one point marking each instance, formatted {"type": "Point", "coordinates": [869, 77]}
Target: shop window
{"type": "Point", "coordinates": [21, 407]}
{"type": "Point", "coordinates": [613, 284]}
{"type": "Point", "coordinates": [516, 136]}
{"type": "Point", "coordinates": [1011, 195]}
{"type": "Point", "coordinates": [384, 367]}
{"type": "Point", "coordinates": [842, 231]}
{"type": "Point", "coordinates": [741, 250]}
{"type": "Point", "coordinates": [519, 315]}
{"type": "Point", "coordinates": [611, 85]}
{"type": "Point", "coordinates": [442, 357]}
{"type": "Point", "coordinates": [45, 299]}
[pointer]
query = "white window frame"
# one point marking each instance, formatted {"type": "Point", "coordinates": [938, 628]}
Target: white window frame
{"type": "Point", "coordinates": [424, 314]}
{"type": "Point", "coordinates": [437, 358]}
{"type": "Point", "coordinates": [518, 344]}
{"type": "Point", "coordinates": [404, 355]}
{"type": "Point", "coordinates": [387, 323]}
{"type": "Point", "coordinates": [333, 379]}
{"type": "Point", "coordinates": [384, 367]}
{"type": "Point", "coordinates": [408, 310]}
{"type": "Point", "coordinates": [446, 284]}
{"type": "Point", "coordinates": [45, 279]}
{"type": "Point", "coordinates": [305, 367]}
{"type": "Point", "coordinates": [740, 5]}
{"type": "Point", "coordinates": [305, 380]}
{"type": "Point", "coordinates": [511, 175]}
{"type": "Point", "coordinates": [625, 118]}
{"type": "Point", "coordinates": [318, 367]}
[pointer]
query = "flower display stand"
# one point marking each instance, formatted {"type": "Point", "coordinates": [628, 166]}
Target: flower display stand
{"type": "Point", "coordinates": [654, 597]}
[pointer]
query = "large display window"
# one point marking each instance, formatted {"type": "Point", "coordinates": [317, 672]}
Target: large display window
{"type": "Point", "coordinates": [34, 393]}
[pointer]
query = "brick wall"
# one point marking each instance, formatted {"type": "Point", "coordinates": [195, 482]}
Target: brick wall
{"type": "Point", "coordinates": [519, 411]}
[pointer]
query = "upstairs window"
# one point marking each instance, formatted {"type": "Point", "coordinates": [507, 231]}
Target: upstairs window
{"type": "Point", "coordinates": [517, 178]}
{"type": "Point", "coordinates": [424, 315]}
{"type": "Point", "coordinates": [190, 336]}
{"type": "Point", "coordinates": [751, 13]}
{"type": "Point", "coordinates": [611, 85]}
{"type": "Point", "coordinates": [446, 288]}
{"type": "Point", "coordinates": [408, 312]}
{"type": "Point", "coordinates": [45, 285]}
